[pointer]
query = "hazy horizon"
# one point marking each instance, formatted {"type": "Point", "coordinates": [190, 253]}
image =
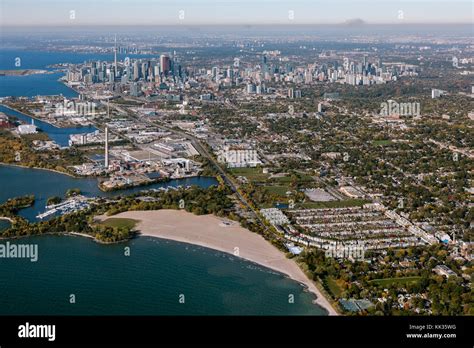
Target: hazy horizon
{"type": "Point", "coordinates": [18, 13]}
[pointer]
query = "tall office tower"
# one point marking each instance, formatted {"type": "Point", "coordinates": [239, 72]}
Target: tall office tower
{"type": "Point", "coordinates": [128, 72]}
{"type": "Point", "coordinates": [135, 90]}
{"type": "Point", "coordinates": [149, 71]}
{"type": "Point", "coordinates": [115, 56]}
{"type": "Point", "coordinates": [379, 63]}
{"type": "Point", "coordinates": [177, 70]}
{"type": "Point", "coordinates": [230, 74]}
{"type": "Point", "coordinates": [106, 163]}
{"type": "Point", "coordinates": [94, 71]}
{"type": "Point", "coordinates": [352, 67]}
{"type": "Point", "coordinates": [136, 70]}
{"type": "Point", "coordinates": [215, 71]}
{"type": "Point", "coordinates": [165, 64]}
{"type": "Point", "coordinates": [346, 64]}
{"type": "Point", "coordinates": [173, 66]}
{"type": "Point", "coordinates": [144, 71]}
{"type": "Point", "coordinates": [264, 64]}
{"type": "Point", "coordinates": [251, 88]}
{"type": "Point", "coordinates": [291, 93]}
{"type": "Point", "coordinates": [308, 76]}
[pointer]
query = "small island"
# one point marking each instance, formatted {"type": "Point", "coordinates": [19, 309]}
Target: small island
{"type": "Point", "coordinates": [22, 72]}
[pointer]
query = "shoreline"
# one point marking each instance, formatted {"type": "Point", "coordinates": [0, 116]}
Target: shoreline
{"type": "Point", "coordinates": [33, 117]}
{"type": "Point", "coordinates": [74, 177]}
{"type": "Point", "coordinates": [39, 168]}
{"type": "Point", "coordinates": [23, 72]}
{"type": "Point", "coordinates": [209, 231]}
{"type": "Point", "coordinates": [96, 177]}
{"type": "Point", "coordinates": [44, 121]}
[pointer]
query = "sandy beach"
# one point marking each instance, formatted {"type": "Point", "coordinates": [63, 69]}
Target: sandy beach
{"type": "Point", "coordinates": [211, 232]}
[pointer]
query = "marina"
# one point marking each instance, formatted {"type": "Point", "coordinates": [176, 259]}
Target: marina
{"type": "Point", "coordinates": [69, 206]}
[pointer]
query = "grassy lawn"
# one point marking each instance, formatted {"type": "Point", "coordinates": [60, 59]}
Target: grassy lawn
{"type": "Point", "coordinates": [333, 287]}
{"type": "Point", "coordinates": [252, 174]}
{"type": "Point", "coordinates": [336, 204]}
{"type": "Point", "coordinates": [120, 222]}
{"type": "Point", "coordinates": [399, 281]}
{"type": "Point", "coordinates": [302, 178]}
{"type": "Point", "coordinates": [279, 190]}
{"type": "Point", "coordinates": [282, 180]}
{"type": "Point", "coordinates": [382, 142]}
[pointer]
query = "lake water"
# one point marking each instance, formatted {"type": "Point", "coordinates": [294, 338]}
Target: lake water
{"type": "Point", "coordinates": [148, 282]}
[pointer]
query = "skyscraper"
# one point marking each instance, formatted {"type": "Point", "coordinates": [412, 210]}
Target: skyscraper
{"type": "Point", "coordinates": [144, 71]}
{"type": "Point", "coordinates": [230, 74]}
{"type": "Point", "coordinates": [214, 72]}
{"type": "Point", "coordinates": [136, 70]}
{"type": "Point", "coordinates": [165, 64]}
{"type": "Point", "coordinates": [115, 57]}
{"type": "Point", "coordinates": [291, 93]}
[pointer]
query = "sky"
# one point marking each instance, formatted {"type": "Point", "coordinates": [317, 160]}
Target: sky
{"type": "Point", "coordinates": [219, 12]}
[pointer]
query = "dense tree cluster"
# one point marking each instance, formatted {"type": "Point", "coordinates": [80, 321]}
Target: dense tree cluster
{"type": "Point", "coordinates": [358, 280]}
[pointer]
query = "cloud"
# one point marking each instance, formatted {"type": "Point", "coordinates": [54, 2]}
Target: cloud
{"type": "Point", "coordinates": [355, 22]}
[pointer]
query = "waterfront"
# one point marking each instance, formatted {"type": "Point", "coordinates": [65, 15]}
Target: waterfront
{"type": "Point", "coordinates": [148, 282]}
{"type": "Point", "coordinates": [214, 282]}
{"type": "Point", "coordinates": [41, 84]}
{"type": "Point", "coordinates": [59, 135]}
{"type": "Point", "coordinates": [44, 184]}
{"type": "Point", "coordinates": [223, 235]}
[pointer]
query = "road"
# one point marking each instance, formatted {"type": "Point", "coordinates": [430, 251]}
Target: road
{"type": "Point", "coordinates": [203, 152]}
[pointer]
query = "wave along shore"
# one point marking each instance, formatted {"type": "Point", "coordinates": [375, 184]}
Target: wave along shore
{"type": "Point", "coordinates": [211, 232]}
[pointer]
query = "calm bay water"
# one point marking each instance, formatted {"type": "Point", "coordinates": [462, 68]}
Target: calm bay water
{"type": "Point", "coordinates": [59, 135]}
{"type": "Point", "coordinates": [28, 86]}
{"type": "Point", "coordinates": [16, 181]}
{"type": "Point", "coordinates": [4, 224]}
